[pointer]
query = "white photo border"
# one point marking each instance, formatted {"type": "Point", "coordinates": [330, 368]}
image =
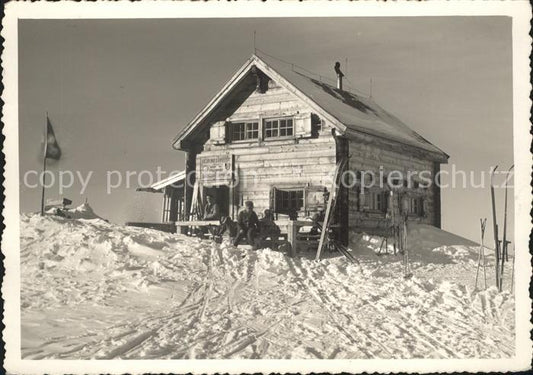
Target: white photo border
{"type": "Point", "coordinates": [519, 11]}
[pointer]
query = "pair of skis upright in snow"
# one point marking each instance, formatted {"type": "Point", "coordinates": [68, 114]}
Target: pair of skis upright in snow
{"type": "Point", "coordinates": [500, 247]}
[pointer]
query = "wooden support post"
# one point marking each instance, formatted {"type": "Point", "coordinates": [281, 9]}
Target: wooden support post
{"type": "Point", "coordinates": [342, 206]}
{"type": "Point", "coordinates": [292, 230]}
{"type": "Point", "coordinates": [232, 211]}
{"type": "Point", "coordinates": [190, 179]}
{"type": "Point", "coordinates": [231, 199]}
{"type": "Point", "coordinates": [173, 205]}
{"type": "Point", "coordinates": [164, 208]}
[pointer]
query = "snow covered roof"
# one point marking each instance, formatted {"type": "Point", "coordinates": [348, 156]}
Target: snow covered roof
{"type": "Point", "coordinates": [347, 111]}
{"type": "Point", "coordinates": [157, 186]}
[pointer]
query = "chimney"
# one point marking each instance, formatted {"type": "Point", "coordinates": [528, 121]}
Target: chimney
{"type": "Point", "coordinates": [339, 75]}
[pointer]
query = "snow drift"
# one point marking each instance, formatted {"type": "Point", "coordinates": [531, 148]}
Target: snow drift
{"type": "Point", "coordinates": [81, 212]}
{"type": "Point", "coordinates": [91, 289]}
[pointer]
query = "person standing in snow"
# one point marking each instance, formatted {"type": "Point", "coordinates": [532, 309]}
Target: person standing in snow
{"type": "Point", "coordinates": [248, 224]}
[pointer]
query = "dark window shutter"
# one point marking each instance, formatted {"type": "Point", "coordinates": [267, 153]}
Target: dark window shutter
{"type": "Point", "coordinates": [217, 132]}
{"type": "Point", "coordinates": [273, 199]}
{"type": "Point", "coordinates": [362, 200]}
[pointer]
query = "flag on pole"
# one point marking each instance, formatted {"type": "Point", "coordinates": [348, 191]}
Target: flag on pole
{"type": "Point", "coordinates": [51, 148]}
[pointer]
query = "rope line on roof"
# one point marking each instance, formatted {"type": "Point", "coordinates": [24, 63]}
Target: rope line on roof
{"type": "Point", "coordinates": [321, 78]}
{"type": "Point", "coordinates": [293, 65]}
{"type": "Point", "coordinates": [358, 91]}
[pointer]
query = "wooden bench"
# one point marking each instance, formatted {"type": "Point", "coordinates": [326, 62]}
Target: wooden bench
{"type": "Point", "coordinates": [269, 241]}
{"type": "Point", "coordinates": [216, 223]}
{"type": "Point", "coordinates": [181, 226]}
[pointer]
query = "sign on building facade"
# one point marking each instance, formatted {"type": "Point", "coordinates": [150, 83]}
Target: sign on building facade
{"type": "Point", "coordinates": [216, 170]}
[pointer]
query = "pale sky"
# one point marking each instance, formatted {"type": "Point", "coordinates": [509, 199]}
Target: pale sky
{"type": "Point", "coordinates": [118, 91]}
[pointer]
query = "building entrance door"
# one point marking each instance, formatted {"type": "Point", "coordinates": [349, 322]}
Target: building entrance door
{"type": "Point", "coordinates": [222, 197]}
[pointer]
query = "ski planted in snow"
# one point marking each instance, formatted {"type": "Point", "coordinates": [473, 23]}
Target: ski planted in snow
{"type": "Point", "coordinates": [330, 209]}
{"type": "Point", "coordinates": [505, 243]}
{"type": "Point", "coordinates": [407, 273]}
{"type": "Point", "coordinates": [481, 255]}
{"type": "Point", "coordinates": [495, 228]}
{"type": "Point", "coordinates": [344, 251]}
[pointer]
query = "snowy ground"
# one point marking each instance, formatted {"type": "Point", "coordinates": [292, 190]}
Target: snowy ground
{"type": "Point", "coordinates": [91, 289]}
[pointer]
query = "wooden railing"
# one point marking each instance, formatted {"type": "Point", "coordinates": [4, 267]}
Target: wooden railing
{"type": "Point", "coordinates": [165, 227]}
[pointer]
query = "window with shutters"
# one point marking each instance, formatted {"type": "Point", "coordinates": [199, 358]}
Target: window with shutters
{"type": "Point", "coordinates": [244, 130]}
{"type": "Point", "coordinates": [288, 200]}
{"type": "Point", "coordinates": [416, 206]}
{"type": "Point", "coordinates": [280, 127]}
{"type": "Point", "coordinates": [379, 201]}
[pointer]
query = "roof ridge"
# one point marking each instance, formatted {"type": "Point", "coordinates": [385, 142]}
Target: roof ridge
{"type": "Point", "coordinates": [330, 81]}
{"type": "Point", "coordinates": [344, 109]}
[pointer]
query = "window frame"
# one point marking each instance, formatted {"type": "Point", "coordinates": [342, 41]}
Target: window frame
{"type": "Point", "coordinates": [280, 191]}
{"type": "Point", "coordinates": [416, 206]}
{"type": "Point", "coordinates": [278, 128]}
{"type": "Point", "coordinates": [245, 131]}
{"type": "Point", "coordinates": [377, 205]}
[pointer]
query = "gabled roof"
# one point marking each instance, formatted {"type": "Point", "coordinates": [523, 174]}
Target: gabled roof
{"type": "Point", "coordinates": [346, 111]}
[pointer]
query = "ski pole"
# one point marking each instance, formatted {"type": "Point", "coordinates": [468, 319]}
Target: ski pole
{"type": "Point", "coordinates": [483, 226]}
{"type": "Point", "coordinates": [481, 254]}
{"type": "Point", "coordinates": [495, 227]}
{"type": "Point", "coordinates": [478, 264]}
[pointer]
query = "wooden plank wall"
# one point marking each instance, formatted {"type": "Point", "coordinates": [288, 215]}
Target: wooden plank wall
{"type": "Point", "coordinates": [366, 157]}
{"type": "Point", "coordinates": [262, 164]}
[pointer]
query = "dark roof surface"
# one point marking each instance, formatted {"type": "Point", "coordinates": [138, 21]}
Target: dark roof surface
{"type": "Point", "coordinates": [356, 112]}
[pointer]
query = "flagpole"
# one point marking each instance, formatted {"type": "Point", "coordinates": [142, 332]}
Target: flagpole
{"type": "Point", "coordinates": [44, 162]}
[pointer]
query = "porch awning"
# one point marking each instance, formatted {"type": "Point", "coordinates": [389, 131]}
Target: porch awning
{"type": "Point", "coordinates": [158, 187]}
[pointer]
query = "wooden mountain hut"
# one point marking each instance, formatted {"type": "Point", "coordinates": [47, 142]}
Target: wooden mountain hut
{"type": "Point", "coordinates": [274, 134]}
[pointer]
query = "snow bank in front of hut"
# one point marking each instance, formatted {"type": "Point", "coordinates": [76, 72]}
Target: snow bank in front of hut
{"type": "Point", "coordinates": [84, 211]}
{"type": "Point", "coordinates": [434, 254]}
{"type": "Point", "coordinates": [91, 289]}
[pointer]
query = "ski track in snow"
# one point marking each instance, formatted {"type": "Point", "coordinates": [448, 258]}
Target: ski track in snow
{"type": "Point", "coordinates": [91, 289]}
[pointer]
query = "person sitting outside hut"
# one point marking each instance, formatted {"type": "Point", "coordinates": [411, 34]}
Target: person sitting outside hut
{"type": "Point", "coordinates": [226, 224]}
{"type": "Point", "coordinates": [267, 226]}
{"type": "Point", "coordinates": [318, 220]}
{"type": "Point", "coordinates": [248, 225]}
{"type": "Point", "coordinates": [211, 210]}
{"type": "Point", "coordinates": [293, 214]}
